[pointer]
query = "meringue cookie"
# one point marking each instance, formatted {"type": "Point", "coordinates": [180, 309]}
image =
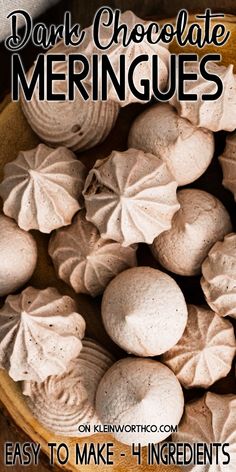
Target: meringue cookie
{"type": "Point", "coordinates": [64, 402]}
{"type": "Point", "coordinates": [130, 196]}
{"type": "Point", "coordinates": [40, 333]}
{"type": "Point", "coordinates": [41, 188]}
{"type": "Point", "coordinates": [86, 261]}
{"type": "Point", "coordinates": [200, 222]}
{"type": "Point", "coordinates": [219, 277]}
{"type": "Point", "coordinates": [144, 311]}
{"type": "Point", "coordinates": [214, 115]}
{"type": "Point", "coordinates": [206, 350]}
{"type": "Point", "coordinates": [228, 164]}
{"type": "Point", "coordinates": [186, 149]}
{"type": "Point", "coordinates": [18, 256]}
{"type": "Point", "coordinates": [210, 419]}
{"type": "Point", "coordinates": [139, 391]}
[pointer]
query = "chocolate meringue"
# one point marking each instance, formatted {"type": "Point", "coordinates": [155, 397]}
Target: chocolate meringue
{"type": "Point", "coordinates": [144, 311]}
{"type": "Point", "coordinates": [139, 391]}
{"type": "Point", "coordinates": [214, 115]}
{"type": "Point", "coordinates": [186, 149]}
{"type": "Point", "coordinates": [86, 261]}
{"type": "Point", "coordinates": [210, 420]}
{"type": "Point", "coordinates": [219, 277]}
{"type": "Point", "coordinates": [206, 350]}
{"type": "Point", "coordinates": [200, 222]}
{"type": "Point", "coordinates": [18, 256]}
{"type": "Point", "coordinates": [228, 164]}
{"type": "Point", "coordinates": [42, 187]}
{"type": "Point", "coordinates": [40, 333]}
{"type": "Point", "coordinates": [64, 402]}
{"type": "Point", "coordinates": [130, 196]}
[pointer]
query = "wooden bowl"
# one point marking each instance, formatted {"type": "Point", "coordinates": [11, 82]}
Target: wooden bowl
{"type": "Point", "coordinates": [16, 135]}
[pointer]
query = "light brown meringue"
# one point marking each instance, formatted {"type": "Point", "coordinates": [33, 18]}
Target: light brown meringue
{"type": "Point", "coordinates": [201, 221]}
{"type": "Point", "coordinates": [86, 261]}
{"type": "Point", "coordinates": [62, 403]}
{"type": "Point", "coordinates": [219, 277]}
{"type": "Point", "coordinates": [144, 311]}
{"type": "Point", "coordinates": [138, 391]}
{"type": "Point", "coordinates": [206, 350]}
{"type": "Point", "coordinates": [40, 333]}
{"type": "Point", "coordinates": [186, 149]}
{"type": "Point", "coordinates": [214, 115]}
{"type": "Point", "coordinates": [228, 164]}
{"type": "Point", "coordinates": [18, 256]}
{"type": "Point", "coordinates": [130, 196]}
{"type": "Point", "coordinates": [42, 187]}
{"type": "Point", "coordinates": [210, 419]}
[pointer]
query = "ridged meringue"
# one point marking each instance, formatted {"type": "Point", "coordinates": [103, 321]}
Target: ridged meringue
{"type": "Point", "coordinates": [201, 221]}
{"type": "Point", "coordinates": [144, 311]}
{"type": "Point", "coordinates": [206, 350]}
{"type": "Point", "coordinates": [210, 419]}
{"type": "Point", "coordinates": [186, 149]}
{"type": "Point", "coordinates": [62, 403]}
{"type": "Point", "coordinates": [130, 196]}
{"type": "Point", "coordinates": [219, 277]}
{"type": "Point", "coordinates": [214, 115]}
{"type": "Point", "coordinates": [40, 333]}
{"type": "Point", "coordinates": [139, 391]}
{"type": "Point", "coordinates": [42, 187]}
{"type": "Point", "coordinates": [228, 164]}
{"type": "Point", "coordinates": [18, 256]}
{"type": "Point", "coordinates": [86, 261]}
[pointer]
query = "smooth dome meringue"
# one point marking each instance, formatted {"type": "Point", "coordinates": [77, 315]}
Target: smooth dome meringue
{"type": "Point", "coordinates": [40, 333]}
{"type": "Point", "coordinates": [186, 149]}
{"type": "Point", "coordinates": [86, 261]}
{"type": "Point", "coordinates": [62, 403]}
{"type": "Point", "coordinates": [228, 164]}
{"type": "Point", "coordinates": [144, 311]}
{"type": "Point", "coordinates": [201, 221]}
{"type": "Point", "coordinates": [42, 187]}
{"type": "Point", "coordinates": [130, 196]}
{"type": "Point", "coordinates": [206, 350]}
{"type": "Point", "coordinates": [210, 419]}
{"type": "Point", "coordinates": [219, 277]}
{"type": "Point", "coordinates": [139, 391]}
{"type": "Point", "coordinates": [214, 115]}
{"type": "Point", "coordinates": [18, 256]}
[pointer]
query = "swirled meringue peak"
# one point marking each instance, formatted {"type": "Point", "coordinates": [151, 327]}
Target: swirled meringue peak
{"type": "Point", "coordinates": [210, 419]}
{"type": "Point", "coordinates": [130, 196]}
{"type": "Point", "coordinates": [214, 115]}
{"type": "Point", "coordinates": [228, 164]}
{"type": "Point", "coordinates": [40, 333]}
{"type": "Point", "coordinates": [86, 261]}
{"type": "Point", "coordinates": [62, 403]}
{"type": "Point", "coordinates": [206, 350]}
{"type": "Point", "coordinates": [42, 187]}
{"type": "Point", "coordinates": [219, 277]}
{"type": "Point", "coordinates": [186, 149]}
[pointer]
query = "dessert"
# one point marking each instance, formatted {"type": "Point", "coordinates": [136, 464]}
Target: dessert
{"type": "Point", "coordinates": [214, 115]}
{"type": "Point", "coordinates": [139, 391]}
{"type": "Point", "coordinates": [219, 277]}
{"type": "Point", "coordinates": [186, 149]}
{"type": "Point", "coordinates": [86, 261]}
{"type": "Point", "coordinates": [130, 197]}
{"type": "Point", "coordinates": [64, 402]}
{"type": "Point", "coordinates": [201, 221]}
{"type": "Point", "coordinates": [228, 164]}
{"type": "Point", "coordinates": [18, 256]}
{"type": "Point", "coordinates": [206, 350]}
{"type": "Point", "coordinates": [40, 333]}
{"type": "Point", "coordinates": [42, 187]}
{"type": "Point", "coordinates": [144, 311]}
